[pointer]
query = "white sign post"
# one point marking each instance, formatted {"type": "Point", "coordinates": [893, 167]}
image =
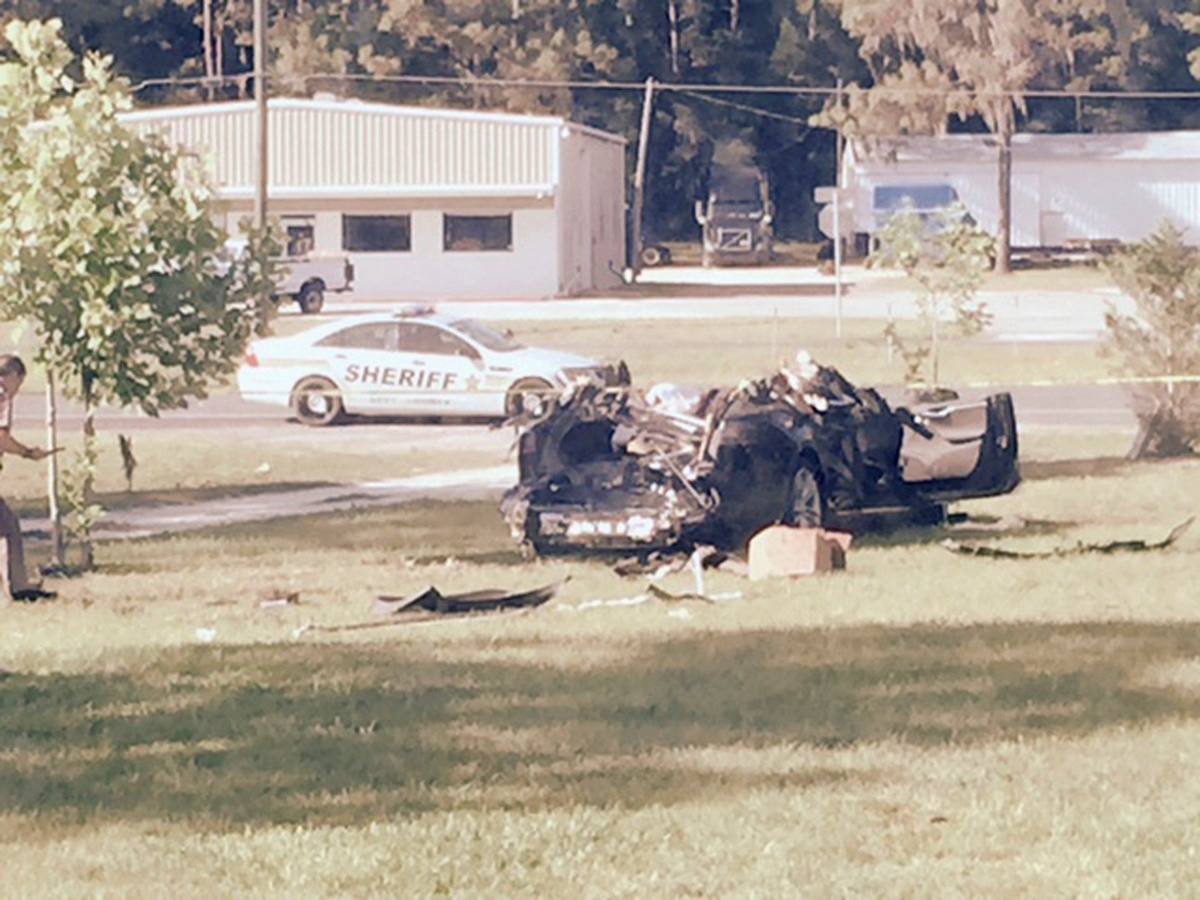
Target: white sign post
{"type": "Point", "coordinates": [833, 196]}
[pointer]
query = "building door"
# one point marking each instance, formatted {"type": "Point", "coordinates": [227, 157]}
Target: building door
{"type": "Point", "coordinates": [1026, 209]}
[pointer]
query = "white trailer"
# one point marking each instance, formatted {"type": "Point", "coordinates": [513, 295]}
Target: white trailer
{"type": "Point", "coordinates": [1068, 190]}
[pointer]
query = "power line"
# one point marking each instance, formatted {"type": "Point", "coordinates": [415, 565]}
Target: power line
{"type": "Point", "coordinates": [707, 88]}
{"type": "Point", "coordinates": [758, 111]}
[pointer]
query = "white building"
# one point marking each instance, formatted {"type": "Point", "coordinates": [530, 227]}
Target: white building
{"type": "Point", "coordinates": [1067, 189]}
{"type": "Point", "coordinates": [427, 203]}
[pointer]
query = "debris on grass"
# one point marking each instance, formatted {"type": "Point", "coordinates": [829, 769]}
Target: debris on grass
{"type": "Point", "coordinates": [1078, 549]}
{"type": "Point", "coordinates": [279, 599]}
{"type": "Point", "coordinates": [434, 601]}
{"type": "Point", "coordinates": [431, 605]}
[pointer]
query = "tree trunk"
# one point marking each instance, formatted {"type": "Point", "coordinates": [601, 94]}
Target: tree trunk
{"type": "Point", "coordinates": [219, 46]}
{"type": "Point", "coordinates": [1004, 229]}
{"type": "Point", "coordinates": [673, 19]}
{"type": "Point", "coordinates": [209, 63]}
{"type": "Point", "coordinates": [89, 445]}
{"type": "Point", "coordinates": [57, 543]}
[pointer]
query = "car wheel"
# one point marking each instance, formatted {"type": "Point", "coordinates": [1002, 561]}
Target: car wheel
{"type": "Point", "coordinates": [317, 402]}
{"type": "Point", "coordinates": [527, 395]}
{"type": "Point", "coordinates": [807, 506]}
{"type": "Point", "coordinates": [651, 256]}
{"type": "Point", "coordinates": [311, 297]}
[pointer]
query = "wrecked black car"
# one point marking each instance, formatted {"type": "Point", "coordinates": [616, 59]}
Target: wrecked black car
{"type": "Point", "coordinates": [606, 467]}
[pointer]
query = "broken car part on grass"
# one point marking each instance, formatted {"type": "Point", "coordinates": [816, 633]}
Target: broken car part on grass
{"type": "Point", "coordinates": [1080, 549]}
{"type": "Point", "coordinates": [605, 467]}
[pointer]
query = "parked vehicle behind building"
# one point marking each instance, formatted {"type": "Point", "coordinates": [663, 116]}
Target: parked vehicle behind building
{"type": "Point", "coordinates": [735, 218]}
{"type": "Point", "coordinates": [306, 279]}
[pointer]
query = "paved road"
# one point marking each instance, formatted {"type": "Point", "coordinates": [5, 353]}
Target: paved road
{"type": "Point", "coordinates": [1079, 405]}
{"type": "Point", "coordinates": [689, 293]}
{"type": "Point", "coordinates": [172, 518]}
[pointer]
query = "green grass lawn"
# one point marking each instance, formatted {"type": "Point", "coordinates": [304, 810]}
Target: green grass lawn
{"type": "Point", "coordinates": [920, 725]}
{"type": "Point", "coordinates": [728, 350]}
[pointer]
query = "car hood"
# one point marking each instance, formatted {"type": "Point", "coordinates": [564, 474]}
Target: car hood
{"type": "Point", "coordinates": [541, 360]}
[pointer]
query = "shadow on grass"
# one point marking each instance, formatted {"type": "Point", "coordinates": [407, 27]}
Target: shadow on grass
{"type": "Point", "coordinates": [337, 734]}
{"type": "Point", "coordinates": [973, 528]}
{"type": "Point", "coordinates": [1097, 467]}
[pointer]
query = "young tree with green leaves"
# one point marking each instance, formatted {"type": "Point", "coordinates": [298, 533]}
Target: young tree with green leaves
{"type": "Point", "coordinates": [109, 248]}
{"type": "Point", "coordinates": [948, 256]}
{"type": "Point", "coordinates": [1160, 341]}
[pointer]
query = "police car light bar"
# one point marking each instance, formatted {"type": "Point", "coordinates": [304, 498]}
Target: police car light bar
{"type": "Point", "coordinates": [413, 311]}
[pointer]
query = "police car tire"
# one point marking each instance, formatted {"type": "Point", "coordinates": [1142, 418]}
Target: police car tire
{"type": "Point", "coordinates": [514, 399]}
{"type": "Point", "coordinates": [311, 297]}
{"type": "Point", "coordinates": [314, 384]}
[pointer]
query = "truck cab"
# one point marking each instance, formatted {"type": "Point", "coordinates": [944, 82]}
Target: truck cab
{"type": "Point", "coordinates": [735, 217]}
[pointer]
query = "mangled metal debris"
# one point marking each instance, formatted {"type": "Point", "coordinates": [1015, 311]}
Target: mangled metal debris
{"type": "Point", "coordinates": [607, 468]}
{"type": "Point", "coordinates": [431, 600]}
{"type": "Point", "coordinates": [431, 605]}
{"type": "Point", "coordinates": [1079, 549]}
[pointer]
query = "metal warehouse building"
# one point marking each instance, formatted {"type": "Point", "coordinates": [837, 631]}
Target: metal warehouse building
{"type": "Point", "coordinates": [1067, 189]}
{"type": "Point", "coordinates": [427, 203]}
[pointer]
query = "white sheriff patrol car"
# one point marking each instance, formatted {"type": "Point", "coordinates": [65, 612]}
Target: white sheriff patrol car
{"type": "Point", "coordinates": [412, 362]}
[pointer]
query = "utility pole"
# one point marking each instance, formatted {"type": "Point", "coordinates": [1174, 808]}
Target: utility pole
{"type": "Point", "coordinates": [639, 176]}
{"type": "Point", "coordinates": [837, 224]}
{"type": "Point", "coordinates": [260, 101]}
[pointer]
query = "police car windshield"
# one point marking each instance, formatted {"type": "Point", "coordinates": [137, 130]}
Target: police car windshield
{"type": "Point", "coordinates": [489, 337]}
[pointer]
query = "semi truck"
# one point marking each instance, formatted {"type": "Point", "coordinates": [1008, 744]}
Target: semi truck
{"type": "Point", "coordinates": [735, 217]}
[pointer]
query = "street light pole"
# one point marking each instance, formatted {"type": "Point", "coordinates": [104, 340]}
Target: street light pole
{"type": "Point", "coordinates": [260, 101]}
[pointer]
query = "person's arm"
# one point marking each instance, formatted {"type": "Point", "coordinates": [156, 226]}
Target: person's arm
{"type": "Point", "coordinates": [9, 444]}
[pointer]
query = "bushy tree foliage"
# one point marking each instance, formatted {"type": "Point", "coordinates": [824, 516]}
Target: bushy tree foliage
{"type": "Point", "coordinates": [109, 248]}
{"type": "Point", "coordinates": [948, 256]}
{"type": "Point", "coordinates": [1160, 341]}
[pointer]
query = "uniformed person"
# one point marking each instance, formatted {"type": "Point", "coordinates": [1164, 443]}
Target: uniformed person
{"type": "Point", "coordinates": [12, 376]}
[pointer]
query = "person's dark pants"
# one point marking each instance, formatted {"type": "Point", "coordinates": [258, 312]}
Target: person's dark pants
{"type": "Point", "coordinates": [10, 527]}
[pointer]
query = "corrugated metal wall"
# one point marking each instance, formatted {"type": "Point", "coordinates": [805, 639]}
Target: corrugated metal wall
{"type": "Point", "coordinates": [326, 145]}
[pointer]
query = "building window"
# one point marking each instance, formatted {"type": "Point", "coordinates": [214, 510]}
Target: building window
{"type": "Point", "coordinates": [466, 233]}
{"type": "Point", "coordinates": [377, 234]}
{"type": "Point", "coordinates": [920, 198]}
{"type": "Point", "coordinates": [300, 236]}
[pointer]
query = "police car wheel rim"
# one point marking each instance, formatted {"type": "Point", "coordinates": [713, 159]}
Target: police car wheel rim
{"type": "Point", "coordinates": [531, 402]}
{"type": "Point", "coordinates": [316, 403]}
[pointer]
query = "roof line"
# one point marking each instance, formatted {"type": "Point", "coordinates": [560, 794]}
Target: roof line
{"type": "Point", "coordinates": [390, 191]}
{"type": "Point", "coordinates": [232, 106]}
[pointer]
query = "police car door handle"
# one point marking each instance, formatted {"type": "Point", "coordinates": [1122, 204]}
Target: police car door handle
{"type": "Point", "coordinates": [418, 362]}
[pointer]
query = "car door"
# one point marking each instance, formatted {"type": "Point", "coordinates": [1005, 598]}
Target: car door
{"type": "Point", "coordinates": [359, 357]}
{"type": "Point", "coordinates": [445, 371]}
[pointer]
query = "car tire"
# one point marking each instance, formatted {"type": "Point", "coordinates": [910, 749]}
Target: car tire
{"type": "Point", "coordinates": [311, 298]}
{"type": "Point", "coordinates": [807, 505]}
{"type": "Point", "coordinates": [316, 402]}
{"type": "Point", "coordinates": [520, 395]}
{"type": "Point", "coordinates": [651, 257]}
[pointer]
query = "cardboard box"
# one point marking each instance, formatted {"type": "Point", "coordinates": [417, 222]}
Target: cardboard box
{"type": "Point", "coordinates": [781, 551]}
